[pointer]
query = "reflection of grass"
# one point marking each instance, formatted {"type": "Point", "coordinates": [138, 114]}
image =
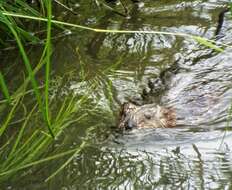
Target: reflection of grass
{"type": "Point", "coordinates": [159, 169]}
{"type": "Point", "coordinates": [228, 125]}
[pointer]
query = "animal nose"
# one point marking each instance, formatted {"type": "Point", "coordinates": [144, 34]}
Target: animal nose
{"type": "Point", "coordinates": [130, 125]}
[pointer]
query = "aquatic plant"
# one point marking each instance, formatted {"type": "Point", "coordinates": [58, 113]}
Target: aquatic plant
{"type": "Point", "coordinates": [15, 32]}
{"type": "Point", "coordinates": [20, 149]}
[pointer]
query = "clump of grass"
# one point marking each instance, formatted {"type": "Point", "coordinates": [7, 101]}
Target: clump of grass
{"type": "Point", "coordinates": [19, 150]}
{"type": "Point", "coordinates": [21, 7]}
{"type": "Point", "coordinates": [15, 30]}
{"type": "Point", "coordinates": [22, 150]}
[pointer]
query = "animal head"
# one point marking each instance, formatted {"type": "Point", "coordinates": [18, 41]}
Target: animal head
{"type": "Point", "coordinates": [146, 116]}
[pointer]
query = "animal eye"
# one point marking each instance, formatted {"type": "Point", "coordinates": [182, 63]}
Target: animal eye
{"type": "Point", "coordinates": [147, 115]}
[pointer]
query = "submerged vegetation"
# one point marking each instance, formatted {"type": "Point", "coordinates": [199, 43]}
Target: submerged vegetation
{"type": "Point", "coordinates": [27, 143]}
{"type": "Point", "coordinates": [33, 118]}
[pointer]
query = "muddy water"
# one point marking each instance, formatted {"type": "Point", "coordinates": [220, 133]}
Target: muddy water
{"type": "Point", "coordinates": [198, 85]}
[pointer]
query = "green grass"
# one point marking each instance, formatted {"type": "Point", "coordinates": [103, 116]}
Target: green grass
{"type": "Point", "coordinates": [14, 31]}
{"type": "Point", "coordinates": [4, 88]}
{"type": "Point", "coordinates": [48, 62]}
{"type": "Point", "coordinates": [22, 148]}
{"type": "Point", "coordinates": [204, 41]}
{"type": "Point", "coordinates": [26, 148]}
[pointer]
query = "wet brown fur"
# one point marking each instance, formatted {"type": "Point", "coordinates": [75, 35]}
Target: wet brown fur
{"type": "Point", "coordinates": [146, 116]}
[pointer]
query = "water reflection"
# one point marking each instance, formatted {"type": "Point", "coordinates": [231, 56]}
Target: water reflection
{"type": "Point", "coordinates": [202, 94]}
{"type": "Point", "coordinates": [198, 85]}
{"type": "Point", "coordinates": [188, 167]}
{"type": "Point", "coordinates": [199, 88]}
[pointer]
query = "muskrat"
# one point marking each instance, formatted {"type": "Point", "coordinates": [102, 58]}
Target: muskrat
{"type": "Point", "coordinates": [146, 116]}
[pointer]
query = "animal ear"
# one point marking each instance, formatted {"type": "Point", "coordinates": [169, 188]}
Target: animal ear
{"type": "Point", "coordinates": [128, 107]}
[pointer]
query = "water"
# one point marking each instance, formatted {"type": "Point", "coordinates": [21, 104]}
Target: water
{"type": "Point", "coordinates": [196, 154]}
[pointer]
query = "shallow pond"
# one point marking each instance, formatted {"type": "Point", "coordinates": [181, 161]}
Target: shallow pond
{"type": "Point", "coordinates": [198, 85]}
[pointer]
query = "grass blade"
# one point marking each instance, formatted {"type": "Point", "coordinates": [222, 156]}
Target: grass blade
{"type": "Point", "coordinates": [4, 88]}
{"type": "Point", "coordinates": [68, 161]}
{"type": "Point", "coordinates": [9, 117]}
{"type": "Point", "coordinates": [37, 162]}
{"type": "Point", "coordinates": [48, 61]}
{"type": "Point", "coordinates": [19, 137]}
{"type": "Point", "coordinates": [203, 41]}
{"type": "Point", "coordinates": [29, 70]}
{"type": "Point", "coordinates": [207, 43]}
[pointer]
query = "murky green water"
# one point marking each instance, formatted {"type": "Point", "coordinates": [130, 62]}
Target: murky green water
{"type": "Point", "coordinates": [198, 81]}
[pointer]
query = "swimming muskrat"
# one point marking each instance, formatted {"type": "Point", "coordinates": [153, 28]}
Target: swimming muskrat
{"type": "Point", "coordinates": [146, 116]}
